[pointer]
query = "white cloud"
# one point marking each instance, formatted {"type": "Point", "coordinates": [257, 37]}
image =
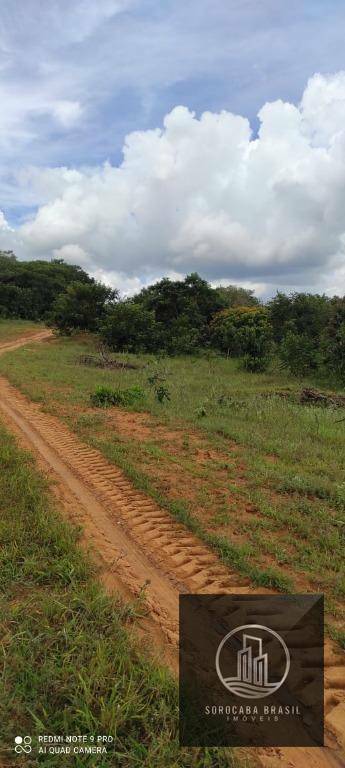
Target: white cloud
{"type": "Point", "coordinates": [82, 18]}
{"type": "Point", "coordinates": [201, 194]}
{"type": "Point", "coordinates": [4, 227]}
{"type": "Point", "coordinates": [128, 286]}
{"type": "Point", "coordinates": [66, 112]}
{"type": "Point", "coordinates": [73, 254]}
{"type": "Point", "coordinates": [21, 113]}
{"type": "Point", "coordinates": [323, 105]}
{"type": "Point", "coordinates": [9, 241]}
{"type": "Point", "coordinates": [48, 82]}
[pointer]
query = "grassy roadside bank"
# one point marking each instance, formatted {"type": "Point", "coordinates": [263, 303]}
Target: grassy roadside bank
{"type": "Point", "coordinates": [69, 659]}
{"type": "Point", "coordinates": [232, 455]}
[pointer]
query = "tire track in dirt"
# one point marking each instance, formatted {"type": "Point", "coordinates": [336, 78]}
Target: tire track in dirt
{"type": "Point", "coordinates": [155, 543]}
{"type": "Point", "coordinates": [147, 550]}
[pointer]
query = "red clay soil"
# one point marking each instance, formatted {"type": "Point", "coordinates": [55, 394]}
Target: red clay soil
{"type": "Point", "coordinates": [144, 552]}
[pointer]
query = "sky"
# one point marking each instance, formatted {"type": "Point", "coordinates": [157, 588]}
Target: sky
{"type": "Point", "coordinates": [142, 138]}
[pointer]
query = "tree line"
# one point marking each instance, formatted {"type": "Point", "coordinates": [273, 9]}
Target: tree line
{"type": "Point", "coordinates": [305, 331]}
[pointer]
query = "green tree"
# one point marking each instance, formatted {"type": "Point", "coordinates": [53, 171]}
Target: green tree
{"type": "Point", "coordinates": [236, 296]}
{"type": "Point", "coordinates": [182, 310]}
{"type": "Point", "coordinates": [130, 327]}
{"type": "Point", "coordinates": [301, 313]}
{"type": "Point", "coordinates": [192, 297]}
{"type": "Point", "coordinates": [244, 332]}
{"type": "Point", "coordinates": [299, 353]}
{"type": "Point", "coordinates": [8, 255]}
{"type": "Point", "coordinates": [81, 307]}
{"type": "Point", "coordinates": [29, 288]}
{"type": "Point", "coordinates": [334, 339]}
{"type": "Point", "coordinates": [181, 337]}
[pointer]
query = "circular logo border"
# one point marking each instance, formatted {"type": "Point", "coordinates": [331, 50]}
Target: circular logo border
{"type": "Point", "coordinates": [271, 632]}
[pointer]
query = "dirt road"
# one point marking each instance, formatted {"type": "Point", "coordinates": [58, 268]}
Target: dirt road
{"type": "Point", "coordinates": [144, 552]}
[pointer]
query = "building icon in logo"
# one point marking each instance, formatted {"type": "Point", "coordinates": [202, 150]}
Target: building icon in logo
{"type": "Point", "coordinates": [252, 669]}
{"type": "Point", "coordinates": [252, 680]}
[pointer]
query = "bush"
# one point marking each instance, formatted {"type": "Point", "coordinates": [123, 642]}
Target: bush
{"type": "Point", "coordinates": [182, 310]}
{"type": "Point", "coordinates": [236, 296]}
{"type": "Point", "coordinates": [81, 307]}
{"type": "Point", "coordinates": [299, 354]}
{"type": "Point", "coordinates": [28, 289]}
{"type": "Point", "coordinates": [306, 314]}
{"type": "Point", "coordinates": [105, 397]}
{"type": "Point", "coordinates": [335, 359]}
{"type": "Point", "coordinates": [132, 327]}
{"type": "Point", "coordinates": [180, 338]}
{"type": "Point", "coordinates": [162, 393]}
{"type": "Point", "coordinates": [157, 381]}
{"type": "Point", "coordinates": [255, 364]}
{"type": "Point", "coordinates": [128, 327]}
{"type": "Point", "coordinates": [334, 340]}
{"type": "Point", "coordinates": [244, 332]}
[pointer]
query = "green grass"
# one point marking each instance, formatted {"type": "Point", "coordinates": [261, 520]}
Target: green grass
{"type": "Point", "coordinates": [12, 329]}
{"type": "Point", "coordinates": [270, 499]}
{"type": "Point", "coordinates": [70, 659]}
{"type": "Point", "coordinates": [235, 556]}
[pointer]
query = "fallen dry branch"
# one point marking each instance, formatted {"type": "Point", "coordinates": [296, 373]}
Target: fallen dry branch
{"type": "Point", "coordinates": [311, 396]}
{"type": "Point", "coordinates": [102, 361]}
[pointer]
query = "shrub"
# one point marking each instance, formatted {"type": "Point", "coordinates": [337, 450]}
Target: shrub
{"type": "Point", "coordinates": [255, 364]}
{"type": "Point", "coordinates": [334, 339]}
{"type": "Point", "coordinates": [236, 296]}
{"type": "Point", "coordinates": [304, 313]}
{"type": "Point", "coordinates": [162, 393]}
{"type": "Point", "coordinates": [157, 381]}
{"type": "Point", "coordinates": [181, 338]}
{"type": "Point", "coordinates": [244, 332]}
{"type": "Point", "coordinates": [336, 353]}
{"type": "Point", "coordinates": [182, 310]}
{"type": "Point", "coordinates": [28, 289]}
{"type": "Point", "coordinates": [128, 327]}
{"type": "Point", "coordinates": [81, 307]}
{"type": "Point", "coordinates": [192, 298]}
{"type": "Point", "coordinates": [299, 354]}
{"type": "Point", "coordinates": [105, 397]}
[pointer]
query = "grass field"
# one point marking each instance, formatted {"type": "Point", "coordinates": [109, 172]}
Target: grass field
{"type": "Point", "coordinates": [12, 329]}
{"type": "Point", "coordinates": [233, 455]}
{"type": "Point", "coordinates": [69, 659]}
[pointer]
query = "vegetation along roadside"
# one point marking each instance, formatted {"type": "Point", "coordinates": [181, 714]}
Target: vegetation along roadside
{"type": "Point", "coordinates": [70, 657]}
{"type": "Point", "coordinates": [234, 455]}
